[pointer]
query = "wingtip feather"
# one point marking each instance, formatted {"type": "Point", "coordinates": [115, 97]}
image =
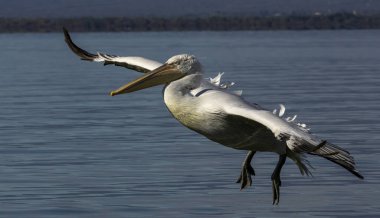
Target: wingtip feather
{"type": "Point", "coordinates": [83, 54]}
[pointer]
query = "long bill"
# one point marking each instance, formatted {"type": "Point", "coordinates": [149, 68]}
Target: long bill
{"type": "Point", "coordinates": [161, 75]}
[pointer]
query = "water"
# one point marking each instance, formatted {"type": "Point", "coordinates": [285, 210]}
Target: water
{"type": "Point", "coordinates": [69, 150]}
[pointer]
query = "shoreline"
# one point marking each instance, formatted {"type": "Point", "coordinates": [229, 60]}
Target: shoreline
{"type": "Point", "coordinates": [338, 21]}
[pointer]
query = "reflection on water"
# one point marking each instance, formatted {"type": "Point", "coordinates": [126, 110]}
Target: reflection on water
{"type": "Point", "coordinates": [68, 149]}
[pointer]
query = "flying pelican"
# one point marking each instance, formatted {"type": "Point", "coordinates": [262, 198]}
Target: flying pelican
{"type": "Point", "coordinates": [209, 108]}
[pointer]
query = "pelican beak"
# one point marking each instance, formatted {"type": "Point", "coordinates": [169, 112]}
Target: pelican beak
{"type": "Point", "coordinates": [161, 75]}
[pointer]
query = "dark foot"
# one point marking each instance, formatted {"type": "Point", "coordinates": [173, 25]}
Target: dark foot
{"type": "Point", "coordinates": [245, 176]}
{"type": "Point", "coordinates": [276, 183]}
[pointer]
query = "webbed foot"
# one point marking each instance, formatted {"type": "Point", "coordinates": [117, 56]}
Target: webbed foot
{"type": "Point", "coordinates": [245, 177]}
{"type": "Point", "coordinates": [276, 183]}
{"type": "Point", "coordinates": [276, 180]}
{"type": "Point", "coordinates": [247, 171]}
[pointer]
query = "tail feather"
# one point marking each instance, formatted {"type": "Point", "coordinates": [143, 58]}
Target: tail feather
{"type": "Point", "coordinates": [301, 162]}
{"type": "Point", "coordinates": [339, 156]}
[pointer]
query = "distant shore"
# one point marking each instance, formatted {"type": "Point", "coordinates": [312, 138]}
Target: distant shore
{"type": "Point", "coordinates": [211, 23]}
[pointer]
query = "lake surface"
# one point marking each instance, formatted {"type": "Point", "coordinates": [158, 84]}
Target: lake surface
{"type": "Point", "coordinates": [67, 149]}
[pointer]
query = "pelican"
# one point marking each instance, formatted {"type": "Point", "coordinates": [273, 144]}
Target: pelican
{"type": "Point", "coordinates": [209, 107]}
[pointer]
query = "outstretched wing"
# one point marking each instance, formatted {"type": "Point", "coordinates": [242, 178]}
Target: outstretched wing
{"type": "Point", "coordinates": [139, 64]}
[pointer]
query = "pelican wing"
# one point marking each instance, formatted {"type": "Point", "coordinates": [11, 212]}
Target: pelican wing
{"type": "Point", "coordinates": [295, 135]}
{"type": "Point", "coordinates": [139, 64]}
{"type": "Point", "coordinates": [296, 139]}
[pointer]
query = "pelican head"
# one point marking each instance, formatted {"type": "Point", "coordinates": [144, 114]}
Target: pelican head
{"type": "Point", "coordinates": [174, 68]}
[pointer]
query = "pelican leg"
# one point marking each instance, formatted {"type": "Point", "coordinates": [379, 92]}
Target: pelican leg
{"type": "Point", "coordinates": [276, 181]}
{"type": "Point", "coordinates": [245, 176]}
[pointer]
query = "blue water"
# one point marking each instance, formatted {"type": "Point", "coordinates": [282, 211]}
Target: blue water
{"type": "Point", "coordinates": [67, 149]}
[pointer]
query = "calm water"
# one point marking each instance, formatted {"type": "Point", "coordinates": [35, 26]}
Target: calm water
{"type": "Point", "coordinates": [69, 150]}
